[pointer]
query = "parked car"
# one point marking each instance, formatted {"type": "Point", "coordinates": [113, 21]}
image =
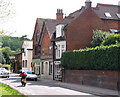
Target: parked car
{"type": "Point", "coordinates": [4, 72]}
{"type": "Point", "coordinates": [31, 75]}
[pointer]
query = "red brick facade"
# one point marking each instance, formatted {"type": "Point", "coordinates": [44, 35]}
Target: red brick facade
{"type": "Point", "coordinates": [80, 31]}
{"type": "Point", "coordinates": [112, 24]}
{"type": "Point", "coordinates": [18, 58]}
{"type": "Point", "coordinates": [35, 43]}
{"type": "Point", "coordinates": [45, 43]}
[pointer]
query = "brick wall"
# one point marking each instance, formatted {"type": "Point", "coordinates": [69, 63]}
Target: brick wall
{"type": "Point", "coordinates": [102, 79]}
{"type": "Point", "coordinates": [46, 42]}
{"type": "Point", "coordinates": [35, 44]}
{"type": "Point", "coordinates": [112, 24]}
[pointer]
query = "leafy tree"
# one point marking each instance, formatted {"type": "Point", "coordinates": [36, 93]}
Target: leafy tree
{"type": "Point", "coordinates": [111, 39]}
{"type": "Point", "coordinates": [5, 12]}
{"type": "Point", "coordinates": [98, 37]}
{"type": "Point", "coordinates": [6, 51]}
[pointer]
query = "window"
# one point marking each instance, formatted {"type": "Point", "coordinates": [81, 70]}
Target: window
{"type": "Point", "coordinates": [50, 68]}
{"type": "Point", "coordinates": [43, 53]}
{"type": "Point", "coordinates": [62, 32]}
{"type": "Point", "coordinates": [37, 37]}
{"type": "Point", "coordinates": [50, 50]}
{"type": "Point", "coordinates": [24, 53]}
{"type": "Point", "coordinates": [113, 31]}
{"type": "Point", "coordinates": [36, 50]}
{"type": "Point", "coordinates": [107, 14]}
{"type": "Point", "coordinates": [118, 15]}
{"type": "Point", "coordinates": [25, 63]}
{"type": "Point", "coordinates": [42, 67]}
{"type": "Point", "coordinates": [58, 51]}
{"type": "Point", "coordinates": [62, 46]}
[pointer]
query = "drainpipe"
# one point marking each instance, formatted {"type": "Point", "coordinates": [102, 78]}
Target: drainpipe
{"type": "Point", "coordinates": [53, 55]}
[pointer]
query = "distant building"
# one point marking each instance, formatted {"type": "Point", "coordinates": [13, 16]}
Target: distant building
{"type": "Point", "coordinates": [27, 49]}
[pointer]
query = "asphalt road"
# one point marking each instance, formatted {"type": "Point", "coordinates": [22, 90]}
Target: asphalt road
{"type": "Point", "coordinates": [42, 88]}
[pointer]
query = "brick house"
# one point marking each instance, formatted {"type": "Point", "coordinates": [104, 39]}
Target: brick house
{"type": "Point", "coordinates": [18, 61]}
{"type": "Point", "coordinates": [46, 46]}
{"type": "Point", "coordinates": [36, 48]}
{"type": "Point", "coordinates": [76, 30]}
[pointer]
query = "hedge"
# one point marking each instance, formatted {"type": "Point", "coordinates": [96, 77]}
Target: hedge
{"type": "Point", "coordinates": [99, 58]}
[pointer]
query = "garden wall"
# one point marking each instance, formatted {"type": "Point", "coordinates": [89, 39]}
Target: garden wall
{"type": "Point", "coordinates": [102, 79]}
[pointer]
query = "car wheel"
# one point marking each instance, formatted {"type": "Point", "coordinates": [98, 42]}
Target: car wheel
{"type": "Point", "coordinates": [35, 79]}
{"type": "Point", "coordinates": [8, 77]}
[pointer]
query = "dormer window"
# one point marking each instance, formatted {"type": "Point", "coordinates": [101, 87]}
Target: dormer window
{"type": "Point", "coordinates": [59, 30]}
{"type": "Point", "coordinates": [107, 14]}
{"type": "Point", "coordinates": [118, 15]}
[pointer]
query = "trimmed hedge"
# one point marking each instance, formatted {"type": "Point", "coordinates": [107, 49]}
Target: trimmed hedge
{"type": "Point", "coordinates": [99, 58]}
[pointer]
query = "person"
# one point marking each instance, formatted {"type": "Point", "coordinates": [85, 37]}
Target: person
{"type": "Point", "coordinates": [23, 76]}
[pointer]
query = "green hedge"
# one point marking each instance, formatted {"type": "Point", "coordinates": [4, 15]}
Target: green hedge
{"type": "Point", "coordinates": [99, 58]}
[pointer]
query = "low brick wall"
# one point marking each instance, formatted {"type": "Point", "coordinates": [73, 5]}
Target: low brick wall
{"type": "Point", "coordinates": [102, 79]}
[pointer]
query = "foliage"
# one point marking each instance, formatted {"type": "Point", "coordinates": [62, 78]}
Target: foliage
{"type": "Point", "coordinates": [98, 37]}
{"type": "Point", "coordinates": [111, 39]}
{"type": "Point", "coordinates": [6, 90]}
{"type": "Point", "coordinates": [99, 58]}
{"type": "Point", "coordinates": [13, 42]}
{"type": "Point", "coordinates": [10, 46]}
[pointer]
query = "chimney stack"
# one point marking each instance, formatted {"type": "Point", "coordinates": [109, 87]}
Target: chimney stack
{"type": "Point", "coordinates": [59, 14]}
{"type": "Point", "coordinates": [88, 4]}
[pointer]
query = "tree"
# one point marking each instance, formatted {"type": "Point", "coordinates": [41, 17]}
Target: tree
{"type": "Point", "coordinates": [111, 39]}
{"type": "Point", "coordinates": [5, 9]}
{"type": "Point", "coordinates": [98, 37]}
{"type": "Point", "coordinates": [5, 12]}
{"type": "Point", "coordinates": [6, 51]}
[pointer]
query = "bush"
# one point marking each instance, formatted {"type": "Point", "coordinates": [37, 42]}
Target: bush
{"type": "Point", "coordinates": [99, 58]}
{"type": "Point", "coordinates": [111, 39]}
{"type": "Point", "coordinates": [98, 37]}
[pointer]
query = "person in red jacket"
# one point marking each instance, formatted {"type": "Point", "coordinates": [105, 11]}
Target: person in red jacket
{"type": "Point", "coordinates": [23, 76]}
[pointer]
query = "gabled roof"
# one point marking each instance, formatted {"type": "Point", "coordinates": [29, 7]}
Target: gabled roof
{"type": "Point", "coordinates": [50, 24]}
{"type": "Point", "coordinates": [27, 44]}
{"type": "Point", "coordinates": [40, 23]}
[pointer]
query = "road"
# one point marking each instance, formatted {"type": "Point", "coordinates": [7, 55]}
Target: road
{"type": "Point", "coordinates": [40, 88]}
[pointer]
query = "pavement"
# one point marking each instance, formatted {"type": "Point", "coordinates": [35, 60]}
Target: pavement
{"type": "Point", "coordinates": [80, 88]}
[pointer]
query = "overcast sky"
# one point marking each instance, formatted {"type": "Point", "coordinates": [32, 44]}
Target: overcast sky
{"type": "Point", "coordinates": [26, 12]}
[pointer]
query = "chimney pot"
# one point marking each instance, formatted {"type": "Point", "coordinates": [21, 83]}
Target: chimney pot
{"type": "Point", "coordinates": [59, 14]}
{"type": "Point", "coordinates": [88, 4]}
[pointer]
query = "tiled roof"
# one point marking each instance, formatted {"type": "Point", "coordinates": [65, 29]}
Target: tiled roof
{"type": "Point", "coordinates": [100, 10]}
{"type": "Point", "coordinates": [51, 26]}
{"type": "Point", "coordinates": [40, 22]}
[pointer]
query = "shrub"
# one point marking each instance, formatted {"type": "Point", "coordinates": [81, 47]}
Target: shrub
{"type": "Point", "coordinates": [99, 58]}
{"type": "Point", "coordinates": [111, 39]}
{"type": "Point", "coordinates": [98, 37]}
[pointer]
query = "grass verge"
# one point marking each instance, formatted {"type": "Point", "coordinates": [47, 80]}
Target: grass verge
{"type": "Point", "coordinates": [6, 91]}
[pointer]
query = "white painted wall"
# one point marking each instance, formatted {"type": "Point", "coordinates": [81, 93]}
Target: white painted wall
{"type": "Point", "coordinates": [60, 47]}
{"type": "Point", "coordinates": [27, 55]}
